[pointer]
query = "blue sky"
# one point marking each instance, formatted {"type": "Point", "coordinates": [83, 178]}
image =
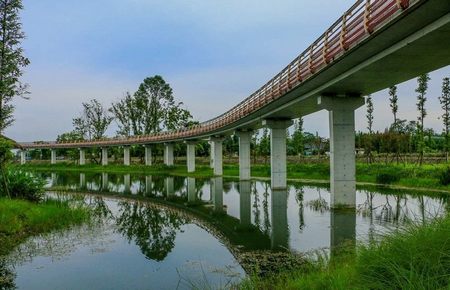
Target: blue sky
{"type": "Point", "coordinates": [213, 53]}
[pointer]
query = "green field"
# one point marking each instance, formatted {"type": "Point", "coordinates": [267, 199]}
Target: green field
{"type": "Point", "coordinates": [425, 177]}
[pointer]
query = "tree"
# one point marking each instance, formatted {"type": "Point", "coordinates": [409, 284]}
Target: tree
{"type": "Point", "coordinates": [394, 103]}
{"type": "Point", "coordinates": [12, 60]}
{"type": "Point", "coordinates": [151, 109]}
{"type": "Point", "coordinates": [444, 99]}
{"type": "Point", "coordinates": [298, 146]}
{"type": "Point", "coordinates": [93, 122]}
{"type": "Point", "coordinates": [369, 117]}
{"type": "Point", "coordinates": [422, 88]}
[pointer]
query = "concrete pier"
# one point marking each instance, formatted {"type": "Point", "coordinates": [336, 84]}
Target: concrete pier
{"type": "Point", "coordinates": [211, 155]}
{"type": "Point", "coordinates": [148, 185]}
{"type": "Point", "coordinates": [216, 154]}
{"type": "Point", "coordinates": [105, 182]}
{"type": "Point", "coordinates": [168, 154]}
{"type": "Point", "coordinates": [126, 155]}
{"type": "Point", "coordinates": [278, 136]}
{"type": "Point", "coordinates": [104, 156]}
{"type": "Point", "coordinates": [342, 229]}
{"type": "Point", "coordinates": [23, 157]}
{"type": "Point", "coordinates": [190, 156]}
{"type": "Point", "coordinates": [191, 191]}
{"type": "Point", "coordinates": [170, 191]}
{"type": "Point", "coordinates": [54, 179]}
{"type": "Point", "coordinates": [148, 155]}
{"type": "Point", "coordinates": [342, 148]}
{"type": "Point", "coordinates": [127, 183]}
{"type": "Point", "coordinates": [82, 156]}
{"type": "Point", "coordinates": [53, 156]}
{"type": "Point", "coordinates": [280, 227]}
{"type": "Point", "coordinates": [244, 154]}
{"type": "Point", "coordinates": [82, 181]}
{"type": "Point", "coordinates": [245, 203]}
{"type": "Point", "coordinates": [217, 193]}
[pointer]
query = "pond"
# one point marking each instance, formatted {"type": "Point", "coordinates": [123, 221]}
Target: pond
{"type": "Point", "coordinates": [171, 232]}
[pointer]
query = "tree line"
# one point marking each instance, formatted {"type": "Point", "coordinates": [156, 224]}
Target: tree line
{"type": "Point", "coordinates": [403, 140]}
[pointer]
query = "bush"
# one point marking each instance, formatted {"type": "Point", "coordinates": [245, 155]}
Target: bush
{"type": "Point", "coordinates": [23, 185]}
{"type": "Point", "coordinates": [387, 178]}
{"type": "Point", "coordinates": [444, 177]}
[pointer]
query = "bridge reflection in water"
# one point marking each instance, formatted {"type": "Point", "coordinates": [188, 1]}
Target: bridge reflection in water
{"type": "Point", "coordinates": [252, 216]}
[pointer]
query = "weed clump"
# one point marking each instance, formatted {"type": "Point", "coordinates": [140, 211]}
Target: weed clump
{"type": "Point", "coordinates": [387, 178]}
{"type": "Point", "coordinates": [444, 177]}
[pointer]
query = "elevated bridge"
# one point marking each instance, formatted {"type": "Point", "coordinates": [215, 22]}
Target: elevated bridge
{"type": "Point", "coordinates": [374, 45]}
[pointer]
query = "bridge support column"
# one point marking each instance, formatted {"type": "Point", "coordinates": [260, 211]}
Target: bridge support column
{"type": "Point", "coordinates": [148, 155]}
{"type": "Point", "coordinates": [216, 154]}
{"type": "Point", "coordinates": [244, 154]}
{"type": "Point", "coordinates": [127, 183]}
{"type": "Point", "coordinates": [23, 157]}
{"type": "Point", "coordinates": [170, 190]}
{"type": "Point", "coordinates": [217, 193]}
{"type": "Point", "coordinates": [190, 158]}
{"type": "Point", "coordinates": [168, 154]}
{"type": "Point", "coordinates": [278, 151]}
{"type": "Point", "coordinates": [342, 148]}
{"type": "Point", "coordinates": [245, 204]}
{"type": "Point", "coordinates": [104, 156]}
{"type": "Point", "coordinates": [280, 230]}
{"type": "Point", "coordinates": [82, 156]}
{"type": "Point", "coordinates": [342, 230]}
{"type": "Point", "coordinates": [191, 192]}
{"type": "Point", "coordinates": [82, 181]}
{"type": "Point", "coordinates": [148, 185]}
{"type": "Point", "coordinates": [126, 155]}
{"type": "Point", "coordinates": [53, 156]}
{"type": "Point", "coordinates": [211, 153]}
{"type": "Point", "coordinates": [105, 182]}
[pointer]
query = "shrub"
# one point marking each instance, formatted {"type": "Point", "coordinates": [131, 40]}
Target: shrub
{"type": "Point", "coordinates": [387, 178]}
{"type": "Point", "coordinates": [444, 177]}
{"type": "Point", "coordinates": [23, 185]}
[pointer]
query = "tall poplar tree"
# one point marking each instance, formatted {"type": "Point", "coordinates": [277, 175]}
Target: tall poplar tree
{"type": "Point", "coordinates": [422, 88]}
{"type": "Point", "coordinates": [369, 117]}
{"type": "Point", "coordinates": [444, 99]}
{"type": "Point", "coordinates": [12, 60]}
{"type": "Point", "coordinates": [394, 104]}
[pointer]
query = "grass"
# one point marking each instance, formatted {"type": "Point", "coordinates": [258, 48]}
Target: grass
{"type": "Point", "coordinates": [20, 219]}
{"type": "Point", "coordinates": [403, 175]}
{"type": "Point", "coordinates": [416, 257]}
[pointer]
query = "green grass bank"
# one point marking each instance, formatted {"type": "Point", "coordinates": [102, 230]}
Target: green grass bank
{"type": "Point", "coordinates": [403, 175]}
{"type": "Point", "coordinates": [417, 257]}
{"type": "Point", "coordinates": [20, 219]}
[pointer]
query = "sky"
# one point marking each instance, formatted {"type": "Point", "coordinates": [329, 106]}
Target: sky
{"type": "Point", "coordinates": [213, 54]}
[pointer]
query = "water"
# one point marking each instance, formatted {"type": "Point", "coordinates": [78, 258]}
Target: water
{"type": "Point", "coordinates": [167, 232]}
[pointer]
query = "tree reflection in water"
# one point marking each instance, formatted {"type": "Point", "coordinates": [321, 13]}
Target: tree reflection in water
{"type": "Point", "coordinates": [151, 228]}
{"type": "Point", "coordinates": [299, 196]}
